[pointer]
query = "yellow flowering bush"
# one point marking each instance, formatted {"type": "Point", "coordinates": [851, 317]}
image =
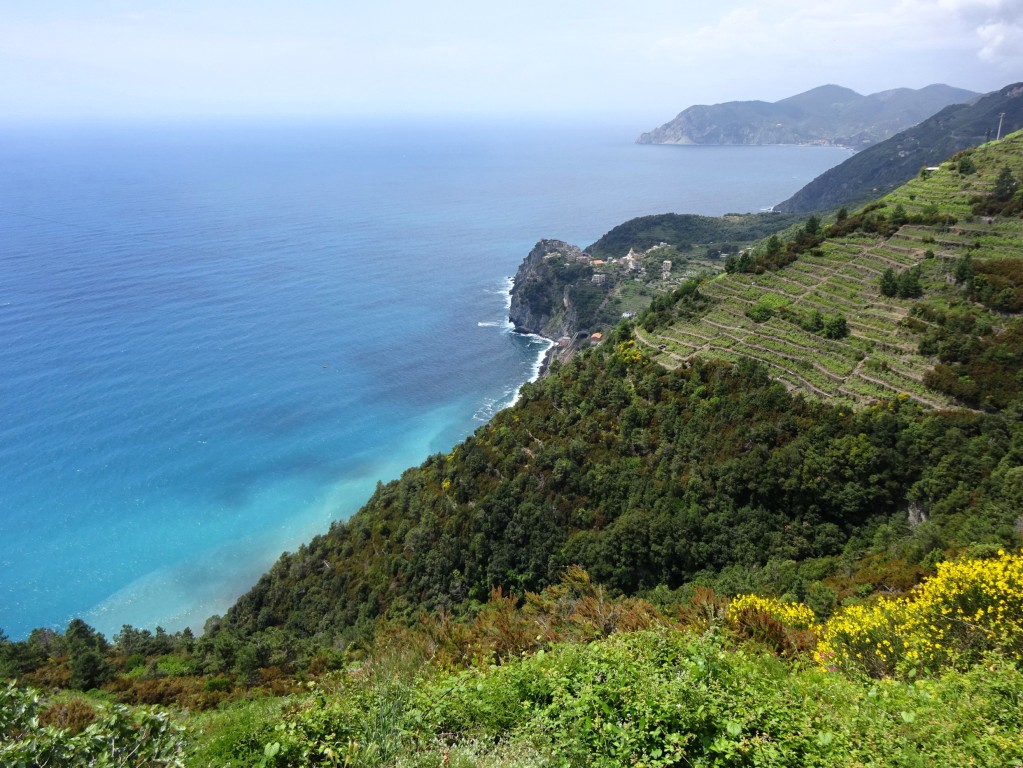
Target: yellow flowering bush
{"type": "Point", "coordinates": [968, 608]}
{"type": "Point", "coordinates": [627, 352]}
{"type": "Point", "coordinates": [785, 628]}
{"type": "Point", "coordinates": [793, 615]}
{"type": "Point", "coordinates": [864, 637]}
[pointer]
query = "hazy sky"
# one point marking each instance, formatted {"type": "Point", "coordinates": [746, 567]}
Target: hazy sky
{"type": "Point", "coordinates": [644, 60]}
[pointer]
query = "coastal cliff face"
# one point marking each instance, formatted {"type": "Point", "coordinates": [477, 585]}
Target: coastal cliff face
{"type": "Point", "coordinates": [541, 300]}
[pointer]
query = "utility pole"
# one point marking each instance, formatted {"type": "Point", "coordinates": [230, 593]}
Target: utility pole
{"type": "Point", "coordinates": [1001, 116]}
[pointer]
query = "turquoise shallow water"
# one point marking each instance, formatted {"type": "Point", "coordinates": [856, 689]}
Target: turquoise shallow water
{"type": "Point", "coordinates": [217, 338]}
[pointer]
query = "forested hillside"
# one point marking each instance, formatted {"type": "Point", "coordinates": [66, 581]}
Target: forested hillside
{"type": "Point", "coordinates": [881, 168]}
{"type": "Point", "coordinates": [650, 477]}
{"type": "Point", "coordinates": [686, 230]}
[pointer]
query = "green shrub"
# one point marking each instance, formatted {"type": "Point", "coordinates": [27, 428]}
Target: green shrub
{"type": "Point", "coordinates": [218, 685]}
{"type": "Point", "coordinates": [117, 736]}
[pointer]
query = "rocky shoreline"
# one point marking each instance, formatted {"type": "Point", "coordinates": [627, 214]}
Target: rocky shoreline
{"type": "Point", "coordinates": [540, 300]}
{"type": "Point", "coordinates": [541, 303]}
{"type": "Point", "coordinates": [548, 358]}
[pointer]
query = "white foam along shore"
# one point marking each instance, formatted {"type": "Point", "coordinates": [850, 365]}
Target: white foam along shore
{"type": "Point", "coordinates": [542, 357]}
{"type": "Point", "coordinates": [539, 365]}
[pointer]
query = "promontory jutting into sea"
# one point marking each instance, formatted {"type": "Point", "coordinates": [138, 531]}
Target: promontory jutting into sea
{"type": "Point", "coordinates": [217, 338]}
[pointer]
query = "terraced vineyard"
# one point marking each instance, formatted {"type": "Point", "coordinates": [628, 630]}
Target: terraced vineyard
{"type": "Point", "coordinates": [757, 315]}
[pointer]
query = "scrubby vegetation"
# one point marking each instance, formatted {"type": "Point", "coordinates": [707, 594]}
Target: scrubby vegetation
{"type": "Point", "coordinates": [573, 676]}
{"type": "Point", "coordinates": [970, 609]}
{"type": "Point", "coordinates": [576, 678]}
{"type": "Point", "coordinates": [657, 697]}
{"type": "Point", "coordinates": [62, 731]}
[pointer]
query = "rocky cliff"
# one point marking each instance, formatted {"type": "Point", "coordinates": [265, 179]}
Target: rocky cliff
{"type": "Point", "coordinates": [560, 290]}
{"type": "Point", "coordinates": [829, 115]}
{"type": "Point", "coordinates": [541, 299]}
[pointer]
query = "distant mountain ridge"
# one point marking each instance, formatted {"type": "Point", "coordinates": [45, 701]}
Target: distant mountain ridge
{"type": "Point", "coordinates": [891, 163]}
{"type": "Point", "coordinates": [827, 115]}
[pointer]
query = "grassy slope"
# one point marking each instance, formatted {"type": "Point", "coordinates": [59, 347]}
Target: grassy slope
{"type": "Point", "coordinates": [879, 358]}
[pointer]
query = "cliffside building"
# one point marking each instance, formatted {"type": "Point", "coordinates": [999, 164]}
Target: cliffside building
{"type": "Point", "coordinates": [633, 260]}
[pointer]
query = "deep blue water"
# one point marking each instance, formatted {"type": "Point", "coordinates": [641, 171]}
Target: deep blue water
{"type": "Point", "coordinates": [215, 339]}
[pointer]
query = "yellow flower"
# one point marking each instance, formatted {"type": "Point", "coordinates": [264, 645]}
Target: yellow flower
{"type": "Point", "coordinates": [794, 615]}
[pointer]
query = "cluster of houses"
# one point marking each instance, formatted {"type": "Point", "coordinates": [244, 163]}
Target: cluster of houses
{"type": "Point", "coordinates": [632, 262]}
{"type": "Point", "coordinates": [567, 341]}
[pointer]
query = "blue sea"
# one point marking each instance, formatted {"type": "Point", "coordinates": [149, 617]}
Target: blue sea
{"type": "Point", "coordinates": [216, 338]}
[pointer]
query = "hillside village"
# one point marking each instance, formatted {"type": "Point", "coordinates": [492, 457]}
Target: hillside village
{"type": "Point", "coordinates": [629, 282]}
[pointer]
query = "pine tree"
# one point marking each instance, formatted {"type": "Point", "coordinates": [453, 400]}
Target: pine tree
{"type": "Point", "coordinates": [889, 283]}
{"type": "Point", "coordinates": [964, 271]}
{"type": "Point", "coordinates": [1005, 185]}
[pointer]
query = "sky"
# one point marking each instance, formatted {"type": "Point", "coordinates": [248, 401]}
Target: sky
{"type": "Point", "coordinates": [642, 60]}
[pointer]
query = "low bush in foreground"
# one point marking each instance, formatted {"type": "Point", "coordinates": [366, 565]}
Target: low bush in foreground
{"type": "Point", "coordinates": [659, 697]}
{"type": "Point", "coordinates": [37, 734]}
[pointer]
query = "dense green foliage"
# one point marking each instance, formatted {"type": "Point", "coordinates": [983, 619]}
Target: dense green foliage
{"type": "Point", "coordinates": [905, 284]}
{"type": "Point", "coordinates": [684, 303]}
{"type": "Point", "coordinates": [980, 367]}
{"type": "Point", "coordinates": [774, 254]}
{"type": "Point", "coordinates": [998, 284]}
{"type": "Point", "coordinates": [685, 230]}
{"type": "Point", "coordinates": [645, 477]}
{"type": "Point", "coordinates": [1005, 199]}
{"type": "Point", "coordinates": [35, 733]}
